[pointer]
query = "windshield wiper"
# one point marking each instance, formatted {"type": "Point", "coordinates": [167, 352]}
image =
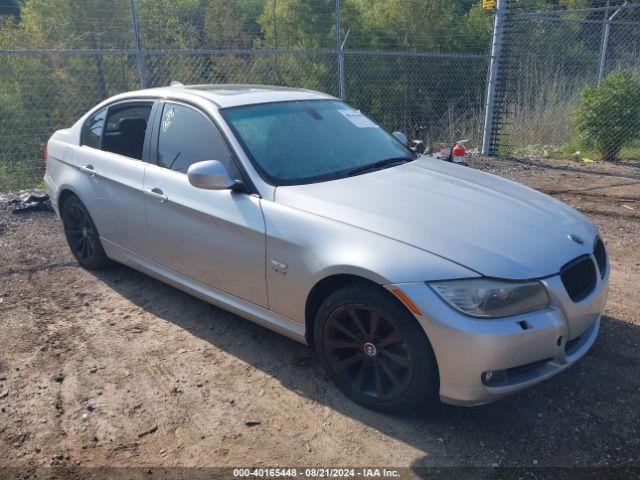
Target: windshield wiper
{"type": "Point", "coordinates": [379, 164]}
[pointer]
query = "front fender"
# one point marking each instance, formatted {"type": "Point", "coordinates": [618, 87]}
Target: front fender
{"type": "Point", "coordinates": [302, 249]}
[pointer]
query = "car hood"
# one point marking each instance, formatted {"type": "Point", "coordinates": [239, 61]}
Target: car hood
{"type": "Point", "coordinates": [486, 223]}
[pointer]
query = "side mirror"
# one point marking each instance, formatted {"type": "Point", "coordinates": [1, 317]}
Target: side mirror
{"type": "Point", "coordinates": [210, 175]}
{"type": "Point", "coordinates": [401, 137]}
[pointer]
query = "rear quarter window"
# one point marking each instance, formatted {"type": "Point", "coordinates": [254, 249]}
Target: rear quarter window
{"type": "Point", "coordinates": [92, 129]}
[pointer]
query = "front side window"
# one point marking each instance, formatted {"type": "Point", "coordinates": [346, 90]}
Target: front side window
{"type": "Point", "coordinates": [313, 140]}
{"type": "Point", "coordinates": [125, 128]}
{"type": "Point", "coordinates": [186, 137]}
{"type": "Point", "coordinates": [92, 129]}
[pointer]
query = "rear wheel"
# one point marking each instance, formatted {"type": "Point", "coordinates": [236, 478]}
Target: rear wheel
{"type": "Point", "coordinates": [82, 235]}
{"type": "Point", "coordinates": [374, 350]}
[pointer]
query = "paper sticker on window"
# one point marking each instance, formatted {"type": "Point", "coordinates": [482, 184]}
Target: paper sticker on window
{"type": "Point", "coordinates": [166, 123]}
{"type": "Point", "coordinates": [358, 119]}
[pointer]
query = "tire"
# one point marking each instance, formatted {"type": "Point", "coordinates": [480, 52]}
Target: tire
{"type": "Point", "coordinates": [385, 364]}
{"type": "Point", "coordinates": [82, 235]}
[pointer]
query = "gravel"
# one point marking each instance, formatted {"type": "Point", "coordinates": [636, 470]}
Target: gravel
{"type": "Point", "coordinates": [114, 339]}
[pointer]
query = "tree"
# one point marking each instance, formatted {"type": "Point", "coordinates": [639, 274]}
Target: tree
{"type": "Point", "coordinates": [42, 93]}
{"type": "Point", "coordinates": [609, 116]}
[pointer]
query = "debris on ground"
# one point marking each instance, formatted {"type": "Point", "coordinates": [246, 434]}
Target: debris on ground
{"type": "Point", "coordinates": [148, 432]}
{"type": "Point", "coordinates": [28, 201]}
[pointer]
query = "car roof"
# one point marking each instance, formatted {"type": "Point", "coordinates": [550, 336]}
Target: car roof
{"type": "Point", "coordinates": [233, 95]}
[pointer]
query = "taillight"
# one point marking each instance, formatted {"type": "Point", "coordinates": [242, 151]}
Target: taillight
{"type": "Point", "coordinates": [44, 153]}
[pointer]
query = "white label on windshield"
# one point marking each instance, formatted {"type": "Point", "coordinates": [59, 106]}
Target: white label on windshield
{"type": "Point", "coordinates": [358, 119]}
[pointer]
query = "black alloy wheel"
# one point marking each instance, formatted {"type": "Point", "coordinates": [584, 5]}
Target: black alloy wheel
{"type": "Point", "coordinates": [368, 352]}
{"type": "Point", "coordinates": [82, 235]}
{"type": "Point", "coordinates": [374, 350]}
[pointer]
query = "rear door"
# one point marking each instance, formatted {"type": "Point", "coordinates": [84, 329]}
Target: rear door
{"type": "Point", "coordinates": [215, 237]}
{"type": "Point", "coordinates": [114, 144]}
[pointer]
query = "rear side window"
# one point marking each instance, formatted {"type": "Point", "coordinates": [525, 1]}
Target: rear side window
{"type": "Point", "coordinates": [125, 129]}
{"type": "Point", "coordinates": [92, 129]}
{"type": "Point", "coordinates": [186, 137]}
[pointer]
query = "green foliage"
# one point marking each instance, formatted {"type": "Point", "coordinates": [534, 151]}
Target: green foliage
{"type": "Point", "coordinates": [608, 117]}
{"type": "Point", "coordinates": [42, 93]}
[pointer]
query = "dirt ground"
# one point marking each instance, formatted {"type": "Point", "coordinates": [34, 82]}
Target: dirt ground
{"type": "Point", "coordinates": [117, 369]}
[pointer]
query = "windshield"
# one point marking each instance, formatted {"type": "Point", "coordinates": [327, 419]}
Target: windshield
{"type": "Point", "coordinates": [309, 141]}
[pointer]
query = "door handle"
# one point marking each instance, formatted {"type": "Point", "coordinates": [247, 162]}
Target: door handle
{"type": "Point", "coordinates": [156, 194]}
{"type": "Point", "coordinates": [88, 169]}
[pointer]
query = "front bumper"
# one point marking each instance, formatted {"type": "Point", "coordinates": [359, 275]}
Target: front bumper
{"type": "Point", "coordinates": [524, 349]}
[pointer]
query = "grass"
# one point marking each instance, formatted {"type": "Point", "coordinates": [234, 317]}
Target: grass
{"type": "Point", "coordinates": [630, 152]}
{"type": "Point", "coordinates": [540, 109]}
{"type": "Point", "coordinates": [539, 120]}
{"type": "Point", "coordinates": [18, 175]}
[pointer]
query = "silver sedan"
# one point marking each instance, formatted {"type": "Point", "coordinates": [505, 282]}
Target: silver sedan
{"type": "Point", "coordinates": [414, 279]}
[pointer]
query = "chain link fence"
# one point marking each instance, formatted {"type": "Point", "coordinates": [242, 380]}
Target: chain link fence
{"type": "Point", "coordinates": [417, 66]}
{"type": "Point", "coordinates": [550, 58]}
{"type": "Point", "coordinates": [58, 58]}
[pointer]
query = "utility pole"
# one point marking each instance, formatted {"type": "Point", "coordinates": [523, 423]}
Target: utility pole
{"type": "Point", "coordinates": [340, 53]}
{"type": "Point", "coordinates": [136, 35]}
{"type": "Point", "coordinates": [492, 82]}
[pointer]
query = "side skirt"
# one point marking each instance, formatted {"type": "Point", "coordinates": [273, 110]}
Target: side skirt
{"type": "Point", "coordinates": [226, 301]}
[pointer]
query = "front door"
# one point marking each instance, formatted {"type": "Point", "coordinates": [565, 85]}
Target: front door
{"type": "Point", "coordinates": [215, 237]}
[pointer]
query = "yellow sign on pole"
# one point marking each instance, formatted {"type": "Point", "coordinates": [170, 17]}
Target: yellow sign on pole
{"type": "Point", "coordinates": [488, 4]}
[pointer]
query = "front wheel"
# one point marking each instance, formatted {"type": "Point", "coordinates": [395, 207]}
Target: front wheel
{"type": "Point", "coordinates": [375, 351]}
{"type": "Point", "coordinates": [82, 235]}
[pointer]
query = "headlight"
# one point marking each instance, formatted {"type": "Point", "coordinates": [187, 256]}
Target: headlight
{"type": "Point", "coordinates": [480, 297]}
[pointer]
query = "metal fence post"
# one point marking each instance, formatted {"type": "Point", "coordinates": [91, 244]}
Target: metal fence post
{"type": "Point", "coordinates": [136, 36]}
{"type": "Point", "coordinates": [605, 38]}
{"type": "Point", "coordinates": [603, 44]}
{"type": "Point", "coordinates": [340, 53]}
{"type": "Point", "coordinates": [492, 82]}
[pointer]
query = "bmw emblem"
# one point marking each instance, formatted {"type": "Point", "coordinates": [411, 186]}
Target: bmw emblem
{"type": "Point", "coordinates": [370, 349]}
{"type": "Point", "coordinates": [575, 238]}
